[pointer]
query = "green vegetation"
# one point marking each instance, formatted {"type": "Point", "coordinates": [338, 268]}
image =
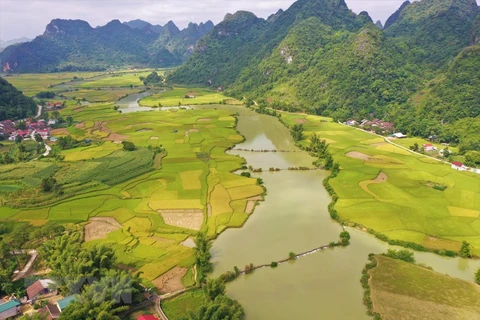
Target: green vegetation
{"type": "Point", "coordinates": [398, 287]}
{"type": "Point", "coordinates": [13, 104]}
{"type": "Point", "coordinates": [179, 165]}
{"type": "Point", "coordinates": [477, 276]}
{"type": "Point", "coordinates": [153, 79]}
{"type": "Point", "coordinates": [390, 191]}
{"type": "Point", "coordinates": [403, 255]}
{"type": "Point", "coordinates": [74, 45]}
{"type": "Point", "coordinates": [317, 57]}
{"type": "Point", "coordinates": [186, 96]}
{"type": "Point", "coordinates": [208, 303]}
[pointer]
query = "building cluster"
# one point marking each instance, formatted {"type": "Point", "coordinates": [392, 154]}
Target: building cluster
{"type": "Point", "coordinates": [43, 127]}
{"type": "Point", "coordinates": [40, 290]}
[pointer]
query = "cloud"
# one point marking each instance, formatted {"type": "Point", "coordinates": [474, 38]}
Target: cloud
{"type": "Point", "coordinates": [29, 17]}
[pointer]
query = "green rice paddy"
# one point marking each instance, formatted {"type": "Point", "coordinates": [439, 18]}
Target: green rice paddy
{"type": "Point", "coordinates": [405, 206]}
{"type": "Point", "coordinates": [401, 288]}
{"type": "Point", "coordinates": [186, 96]}
{"type": "Point", "coordinates": [102, 180]}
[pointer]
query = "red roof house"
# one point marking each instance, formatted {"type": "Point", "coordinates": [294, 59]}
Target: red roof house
{"type": "Point", "coordinates": [147, 317]}
{"type": "Point", "coordinates": [39, 287]}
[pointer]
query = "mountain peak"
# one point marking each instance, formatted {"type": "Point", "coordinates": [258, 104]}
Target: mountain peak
{"type": "Point", "coordinates": [394, 17]}
{"type": "Point", "coordinates": [63, 26]}
{"type": "Point", "coordinates": [171, 27]}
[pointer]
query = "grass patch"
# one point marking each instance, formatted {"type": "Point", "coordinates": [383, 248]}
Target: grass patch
{"type": "Point", "coordinates": [401, 288]}
{"type": "Point", "coordinates": [178, 95]}
{"type": "Point", "coordinates": [181, 306]}
{"type": "Point", "coordinates": [406, 201]}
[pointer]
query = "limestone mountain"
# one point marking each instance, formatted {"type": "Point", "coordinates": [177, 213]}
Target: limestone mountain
{"type": "Point", "coordinates": [436, 30]}
{"type": "Point", "coordinates": [74, 45]}
{"type": "Point", "coordinates": [13, 104]}
{"type": "Point", "coordinates": [242, 39]}
{"type": "Point", "coordinates": [319, 57]}
{"type": "Point", "coordinates": [141, 24]}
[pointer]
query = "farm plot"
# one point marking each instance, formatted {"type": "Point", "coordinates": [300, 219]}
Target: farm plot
{"type": "Point", "coordinates": [391, 191]}
{"type": "Point", "coordinates": [400, 288]}
{"type": "Point", "coordinates": [186, 96]}
{"type": "Point", "coordinates": [156, 206]}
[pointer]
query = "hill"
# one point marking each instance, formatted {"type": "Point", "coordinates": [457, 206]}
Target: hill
{"type": "Point", "coordinates": [436, 30]}
{"type": "Point", "coordinates": [74, 45]}
{"type": "Point", "coordinates": [319, 57]}
{"type": "Point", "coordinates": [13, 104]}
{"type": "Point", "coordinates": [242, 40]}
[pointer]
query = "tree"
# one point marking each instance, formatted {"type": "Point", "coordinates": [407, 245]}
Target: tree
{"type": "Point", "coordinates": [403, 254]}
{"type": "Point", "coordinates": [48, 184]}
{"type": "Point", "coordinates": [297, 132]}
{"type": "Point", "coordinates": [55, 114]}
{"type": "Point", "coordinates": [128, 146]}
{"type": "Point", "coordinates": [18, 138]}
{"type": "Point", "coordinates": [153, 79]}
{"type": "Point", "coordinates": [38, 137]}
{"type": "Point", "coordinates": [465, 250]}
{"type": "Point", "coordinates": [69, 120]}
{"type": "Point", "coordinates": [292, 256]}
{"type": "Point", "coordinates": [345, 238]}
{"type": "Point", "coordinates": [213, 288]}
{"type": "Point", "coordinates": [202, 255]}
{"type": "Point", "coordinates": [20, 125]}
{"type": "Point", "coordinates": [477, 276]}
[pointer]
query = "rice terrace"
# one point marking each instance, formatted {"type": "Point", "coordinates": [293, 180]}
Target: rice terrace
{"type": "Point", "coordinates": [306, 164]}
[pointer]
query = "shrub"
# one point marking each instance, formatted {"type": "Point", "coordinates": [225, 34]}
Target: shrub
{"type": "Point", "coordinates": [273, 264]}
{"type": "Point", "coordinates": [404, 255]}
{"type": "Point", "coordinates": [128, 146]}
{"type": "Point", "coordinates": [292, 256]}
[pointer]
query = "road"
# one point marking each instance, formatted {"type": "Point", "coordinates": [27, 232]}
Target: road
{"type": "Point", "coordinates": [39, 112]}
{"type": "Point", "coordinates": [47, 147]}
{"type": "Point", "coordinates": [33, 255]}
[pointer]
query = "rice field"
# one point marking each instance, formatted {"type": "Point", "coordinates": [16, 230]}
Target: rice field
{"type": "Point", "coordinates": [137, 188]}
{"type": "Point", "coordinates": [401, 288]}
{"type": "Point", "coordinates": [405, 206]}
{"type": "Point", "coordinates": [187, 96]}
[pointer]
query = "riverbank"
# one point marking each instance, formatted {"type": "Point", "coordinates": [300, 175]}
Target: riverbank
{"type": "Point", "coordinates": [398, 287]}
{"type": "Point", "coordinates": [405, 209]}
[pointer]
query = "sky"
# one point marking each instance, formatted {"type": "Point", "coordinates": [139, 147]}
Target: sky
{"type": "Point", "coordinates": [28, 18]}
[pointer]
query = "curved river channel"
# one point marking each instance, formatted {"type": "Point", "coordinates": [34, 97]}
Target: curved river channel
{"type": "Point", "coordinates": [294, 217]}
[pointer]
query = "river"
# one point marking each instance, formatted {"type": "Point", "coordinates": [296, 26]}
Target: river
{"type": "Point", "coordinates": [294, 217]}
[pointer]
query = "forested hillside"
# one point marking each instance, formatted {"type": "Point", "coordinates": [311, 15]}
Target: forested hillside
{"type": "Point", "coordinates": [74, 45]}
{"type": "Point", "coordinates": [319, 57]}
{"type": "Point", "coordinates": [13, 104]}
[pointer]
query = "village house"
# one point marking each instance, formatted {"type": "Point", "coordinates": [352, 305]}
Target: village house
{"type": "Point", "coordinates": [377, 123]}
{"type": "Point", "coordinates": [50, 311]}
{"type": "Point", "coordinates": [63, 303]}
{"type": "Point", "coordinates": [459, 166]}
{"type": "Point", "coordinates": [38, 288]}
{"type": "Point", "coordinates": [351, 123]}
{"type": "Point", "coordinates": [54, 106]}
{"type": "Point", "coordinates": [44, 133]}
{"type": "Point", "coordinates": [428, 147]}
{"type": "Point", "coordinates": [9, 309]}
{"type": "Point", "coordinates": [399, 135]}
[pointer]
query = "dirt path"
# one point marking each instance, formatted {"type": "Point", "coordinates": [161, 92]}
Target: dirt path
{"type": "Point", "coordinates": [39, 112]}
{"type": "Point", "coordinates": [33, 255]}
{"type": "Point", "coordinates": [381, 178]}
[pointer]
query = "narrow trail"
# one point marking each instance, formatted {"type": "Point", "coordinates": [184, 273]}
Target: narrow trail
{"type": "Point", "coordinates": [39, 111]}
{"type": "Point", "coordinates": [33, 255]}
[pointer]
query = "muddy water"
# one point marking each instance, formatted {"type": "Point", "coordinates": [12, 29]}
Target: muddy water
{"type": "Point", "coordinates": [294, 217]}
{"type": "Point", "coordinates": [130, 103]}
